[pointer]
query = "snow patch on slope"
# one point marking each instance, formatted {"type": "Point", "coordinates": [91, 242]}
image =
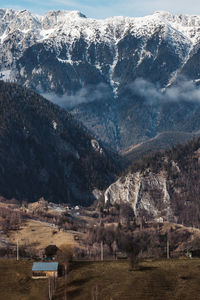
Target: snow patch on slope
{"type": "Point", "coordinates": [5, 75]}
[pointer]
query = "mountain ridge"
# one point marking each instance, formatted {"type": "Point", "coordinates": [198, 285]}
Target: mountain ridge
{"type": "Point", "coordinates": [90, 67]}
{"type": "Point", "coordinates": [73, 25]}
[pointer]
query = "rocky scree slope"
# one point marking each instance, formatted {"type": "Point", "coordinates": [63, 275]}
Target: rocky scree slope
{"type": "Point", "coordinates": [45, 152]}
{"type": "Point", "coordinates": [165, 185]}
{"type": "Point", "coordinates": [90, 65]}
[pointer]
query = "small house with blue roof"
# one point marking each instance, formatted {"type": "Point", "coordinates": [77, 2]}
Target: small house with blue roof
{"type": "Point", "coordinates": [44, 270]}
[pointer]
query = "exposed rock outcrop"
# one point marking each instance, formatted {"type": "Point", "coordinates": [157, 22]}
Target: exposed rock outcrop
{"type": "Point", "coordinates": [144, 192]}
{"type": "Point", "coordinates": [164, 185]}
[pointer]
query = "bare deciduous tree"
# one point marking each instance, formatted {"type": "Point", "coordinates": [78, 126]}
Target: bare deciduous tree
{"type": "Point", "coordinates": [64, 256]}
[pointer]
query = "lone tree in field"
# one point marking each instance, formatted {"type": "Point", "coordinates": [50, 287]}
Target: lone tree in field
{"type": "Point", "coordinates": [65, 255]}
{"type": "Point", "coordinates": [50, 251]}
{"type": "Point", "coordinates": [132, 245]}
{"type": "Point", "coordinates": [132, 249]}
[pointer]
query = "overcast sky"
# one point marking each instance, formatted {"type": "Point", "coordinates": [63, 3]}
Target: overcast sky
{"type": "Point", "coordinates": [107, 8]}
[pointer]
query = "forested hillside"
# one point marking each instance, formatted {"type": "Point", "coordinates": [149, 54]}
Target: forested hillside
{"type": "Point", "coordinates": [165, 185]}
{"type": "Point", "coordinates": [45, 152]}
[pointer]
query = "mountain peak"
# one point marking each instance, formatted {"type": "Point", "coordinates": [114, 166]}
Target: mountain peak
{"type": "Point", "coordinates": [162, 13]}
{"type": "Point", "coordinates": [66, 13]}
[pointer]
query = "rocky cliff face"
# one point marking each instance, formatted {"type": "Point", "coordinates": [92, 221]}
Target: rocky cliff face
{"type": "Point", "coordinates": [144, 191]}
{"type": "Point", "coordinates": [164, 185]}
{"type": "Point", "coordinates": [90, 66]}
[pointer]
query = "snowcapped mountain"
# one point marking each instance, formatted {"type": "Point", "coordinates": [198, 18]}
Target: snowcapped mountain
{"type": "Point", "coordinates": [103, 44]}
{"type": "Point", "coordinates": [88, 64]}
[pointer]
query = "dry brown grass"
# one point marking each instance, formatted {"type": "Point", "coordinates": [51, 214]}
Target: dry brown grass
{"type": "Point", "coordinates": [152, 280]}
{"type": "Point", "coordinates": [16, 282]}
{"type": "Point", "coordinates": [41, 234]}
{"type": "Point", "coordinates": [6, 205]}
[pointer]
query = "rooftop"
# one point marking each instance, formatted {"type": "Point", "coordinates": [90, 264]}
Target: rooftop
{"type": "Point", "coordinates": [45, 266]}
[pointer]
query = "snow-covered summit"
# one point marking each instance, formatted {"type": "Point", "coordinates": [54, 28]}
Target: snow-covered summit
{"type": "Point", "coordinates": [75, 60]}
{"type": "Point", "coordinates": [60, 17]}
{"type": "Point", "coordinates": [74, 39]}
{"type": "Point", "coordinates": [75, 24]}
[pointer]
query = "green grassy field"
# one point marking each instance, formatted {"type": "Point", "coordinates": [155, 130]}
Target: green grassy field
{"type": "Point", "coordinates": [152, 280]}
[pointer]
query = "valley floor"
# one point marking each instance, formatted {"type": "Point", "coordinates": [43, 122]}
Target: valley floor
{"type": "Point", "coordinates": [152, 280]}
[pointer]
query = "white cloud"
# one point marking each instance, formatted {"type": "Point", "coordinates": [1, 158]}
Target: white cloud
{"type": "Point", "coordinates": [85, 95]}
{"type": "Point", "coordinates": [184, 90]}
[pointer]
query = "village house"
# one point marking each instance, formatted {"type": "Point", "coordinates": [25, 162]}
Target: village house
{"type": "Point", "coordinates": [44, 270]}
